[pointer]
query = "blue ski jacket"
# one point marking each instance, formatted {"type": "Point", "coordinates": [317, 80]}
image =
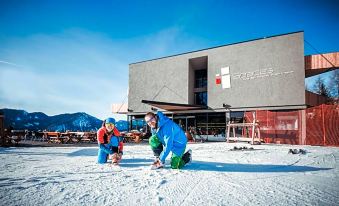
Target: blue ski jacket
{"type": "Point", "coordinates": [171, 136]}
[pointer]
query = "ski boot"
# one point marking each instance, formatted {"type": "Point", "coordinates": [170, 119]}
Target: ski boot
{"type": "Point", "coordinates": [115, 159]}
{"type": "Point", "coordinates": [187, 157]}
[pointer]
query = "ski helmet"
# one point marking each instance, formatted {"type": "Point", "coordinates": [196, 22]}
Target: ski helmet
{"type": "Point", "coordinates": [110, 120]}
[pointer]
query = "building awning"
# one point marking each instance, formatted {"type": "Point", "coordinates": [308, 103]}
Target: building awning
{"type": "Point", "coordinates": [168, 106]}
{"type": "Point", "coordinates": [119, 108]}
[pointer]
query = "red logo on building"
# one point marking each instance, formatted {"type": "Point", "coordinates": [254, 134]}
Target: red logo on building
{"type": "Point", "coordinates": [217, 79]}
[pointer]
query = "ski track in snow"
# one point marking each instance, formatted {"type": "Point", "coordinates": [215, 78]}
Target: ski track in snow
{"type": "Point", "coordinates": [267, 175]}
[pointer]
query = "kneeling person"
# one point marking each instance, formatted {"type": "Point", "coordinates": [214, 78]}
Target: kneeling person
{"type": "Point", "coordinates": [167, 137]}
{"type": "Point", "coordinates": [109, 142]}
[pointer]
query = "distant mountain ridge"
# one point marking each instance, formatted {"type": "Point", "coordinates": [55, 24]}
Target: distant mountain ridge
{"type": "Point", "coordinates": [80, 121]}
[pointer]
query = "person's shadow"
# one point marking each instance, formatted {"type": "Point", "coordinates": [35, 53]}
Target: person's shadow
{"type": "Point", "coordinates": [135, 162]}
{"type": "Point", "coordinates": [208, 166]}
{"type": "Point", "coordinates": [125, 162]}
{"type": "Point", "coordinates": [234, 167]}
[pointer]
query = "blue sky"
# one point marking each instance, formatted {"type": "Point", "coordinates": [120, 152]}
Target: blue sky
{"type": "Point", "coordinates": [69, 56]}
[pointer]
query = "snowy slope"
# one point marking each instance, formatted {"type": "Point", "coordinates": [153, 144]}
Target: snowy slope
{"type": "Point", "coordinates": [267, 175]}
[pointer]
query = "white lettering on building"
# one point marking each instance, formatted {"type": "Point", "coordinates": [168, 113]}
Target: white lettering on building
{"type": "Point", "coordinates": [261, 73]}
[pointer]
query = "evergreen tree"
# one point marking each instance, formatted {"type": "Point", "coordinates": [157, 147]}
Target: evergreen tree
{"type": "Point", "coordinates": [334, 85]}
{"type": "Point", "coordinates": [320, 88]}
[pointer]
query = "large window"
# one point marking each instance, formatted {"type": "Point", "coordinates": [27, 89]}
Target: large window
{"type": "Point", "coordinates": [202, 124]}
{"type": "Point", "coordinates": [217, 124]}
{"type": "Point", "coordinates": [211, 127]}
{"type": "Point", "coordinates": [200, 98]}
{"type": "Point", "coordinates": [200, 78]}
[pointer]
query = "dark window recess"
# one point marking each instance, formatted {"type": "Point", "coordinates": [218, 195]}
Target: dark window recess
{"type": "Point", "coordinates": [200, 78]}
{"type": "Point", "coordinates": [200, 98]}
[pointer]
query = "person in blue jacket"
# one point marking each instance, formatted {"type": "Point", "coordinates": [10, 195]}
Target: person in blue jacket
{"type": "Point", "coordinates": [167, 137]}
{"type": "Point", "coordinates": [109, 142]}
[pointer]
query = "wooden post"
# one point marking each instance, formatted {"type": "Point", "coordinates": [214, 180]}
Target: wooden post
{"type": "Point", "coordinates": [253, 126]}
{"type": "Point", "coordinates": [233, 130]}
{"type": "Point", "coordinates": [227, 121]}
{"type": "Point", "coordinates": [228, 133]}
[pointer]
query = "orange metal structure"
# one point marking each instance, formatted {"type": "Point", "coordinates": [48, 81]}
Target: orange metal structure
{"type": "Point", "coordinates": [320, 63]}
{"type": "Point", "coordinates": [313, 126]}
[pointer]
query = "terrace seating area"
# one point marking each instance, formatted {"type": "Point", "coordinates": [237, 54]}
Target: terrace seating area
{"type": "Point", "coordinates": [14, 137]}
{"type": "Point", "coordinates": [70, 137]}
{"type": "Point", "coordinates": [135, 136]}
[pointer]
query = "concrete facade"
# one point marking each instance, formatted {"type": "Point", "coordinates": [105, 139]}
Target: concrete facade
{"type": "Point", "coordinates": [265, 73]}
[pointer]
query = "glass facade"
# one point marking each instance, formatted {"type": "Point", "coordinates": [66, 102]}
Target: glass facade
{"type": "Point", "coordinates": [203, 126]}
{"type": "Point", "coordinates": [200, 98]}
{"type": "Point", "coordinates": [200, 84]}
{"type": "Point", "coordinates": [200, 78]}
{"type": "Point", "coordinates": [210, 126]}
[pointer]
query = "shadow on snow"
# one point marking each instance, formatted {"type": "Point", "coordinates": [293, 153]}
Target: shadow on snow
{"type": "Point", "coordinates": [195, 165]}
{"type": "Point", "coordinates": [233, 167]}
{"type": "Point", "coordinates": [135, 162]}
{"type": "Point", "coordinates": [84, 152]}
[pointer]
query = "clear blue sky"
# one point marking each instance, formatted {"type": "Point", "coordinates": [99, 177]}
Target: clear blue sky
{"type": "Point", "coordinates": [69, 56]}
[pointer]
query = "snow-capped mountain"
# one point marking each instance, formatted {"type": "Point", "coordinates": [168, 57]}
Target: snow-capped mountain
{"type": "Point", "coordinates": [20, 119]}
{"type": "Point", "coordinates": [74, 122]}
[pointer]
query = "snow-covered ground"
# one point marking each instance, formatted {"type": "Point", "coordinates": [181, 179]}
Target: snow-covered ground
{"type": "Point", "coordinates": [268, 175]}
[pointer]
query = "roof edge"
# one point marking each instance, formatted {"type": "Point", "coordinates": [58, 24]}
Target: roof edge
{"type": "Point", "coordinates": [301, 31]}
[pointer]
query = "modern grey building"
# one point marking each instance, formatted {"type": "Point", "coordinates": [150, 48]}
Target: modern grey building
{"type": "Point", "coordinates": [198, 89]}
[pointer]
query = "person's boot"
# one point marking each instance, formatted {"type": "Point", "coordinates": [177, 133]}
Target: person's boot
{"type": "Point", "coordinates": [119, 155]}
{"type": "Point", "coordinates": [187, 157]}
{"type": "Point", "coordinates": [115, 159]}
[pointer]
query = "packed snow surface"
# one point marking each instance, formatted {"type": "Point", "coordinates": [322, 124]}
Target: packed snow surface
{"type": "Point", "coordinates": [266, 175]}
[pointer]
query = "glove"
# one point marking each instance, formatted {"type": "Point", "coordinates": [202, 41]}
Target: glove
{"type": "Point", "coordinates": [121, 153]}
